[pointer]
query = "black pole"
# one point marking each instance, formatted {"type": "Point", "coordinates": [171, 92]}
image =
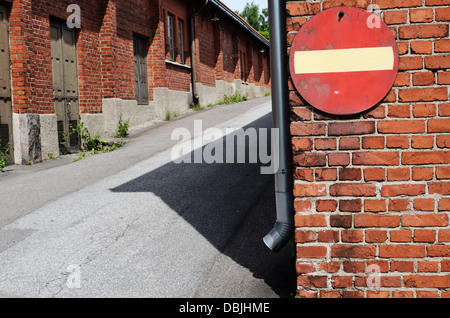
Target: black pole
{"type": "Point", "coordinates": [284, 225]}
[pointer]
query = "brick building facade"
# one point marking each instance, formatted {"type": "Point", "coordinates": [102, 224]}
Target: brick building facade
{"type": "Point", "coordinates": [136, 59]}
{"type": "Point", "coordinates": [373, 189]}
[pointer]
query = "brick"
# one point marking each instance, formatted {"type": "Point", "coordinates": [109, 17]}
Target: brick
{"type": "Point", "coordinates": [350, 174]}
{"type": "Point", "coordinates": [304, 174]}
{"type": "Point", "coordinates": [443, 141]}
{"type": "Point", "coordinates": [389, 4]}
{"type": "Point", "coordinates": [373, 142]}
{"type": "Point", "coordinates": [403, 48]}
{"type": "Point", "coordinates": [401, 236]}
{"type": "Point", "coordinates": [424, 110]}
{"type": "Point", "coordinates": [338, 159]}
{"type": "Point", "coordinates": [325, 174]}
{"type": "Point", "coordinates": [353, 189]}
{"type": "Point", "coordinates": [330, 294]}
{"type": "Point", "coordinates": [375, 236]}
{"type": "Point", "coordinates": [423, 94]}
{"type": "Point", "coordinates": [328, 236]}
{"type": "Point", "coordinates": [444, 109]}
{"type": "Point", "coordinates": [376, 220]}
{"type": "Point", "coordinates": [423, 31]}
{"type": "Point", "coordinates": [398, 205]}
{"type": "Point", "coordinates": [401, 251]}
{"type": "Point", "coordinates": [351, 128]}
{"type": "Point", "coordinates": [410, 63]}
{"type": "Point", "coordinates": [426, 294]}
{"type": "Point", "coordinates": [352, 3]}
{"type": "Point", "coordinates": [443, 172]}
{"type": "Point", "coordinates": [398, 174]}
{"type": "Point", "coordinates": [425, 220]}
{"type": "Point", "coordinates": [421, 47]}
{"type": "Point", "coordinates": [426, 281]}
{"type": "Point", "coordinates": [310, 160]}
{"type": "Point", "coordinates": [399, 111]}
{"type": "Point", "coordinates": [307, 8]}
{"type": "Point", "coordinates": [402, 294]}
{"type": "Point", "coordinates": [438, 250]}
{"type": "Point", "coordinates": [300, 114]}
{"type": "Point", "coordinates": [422, 173]}
{"type": "Point", "coordinates": [302, 205]}
{"type": "Point", "coordinates": [302, 144]}
{"type": "Point", "coordinates": [439, 188]}
{"type": "Point", "coordinates": [426, 157]}
{"type": "Point", "coordinates": [305, 267]}
{"type": "Point", "coordinates": [350, 205]}
{"type": "Point", "coordinates": [427, 266]}
{"type": "Point", "coordinates": [397, 142]}
{"type": "Point", "coordinates": [354, 267]}
{"type": "Point", "coordinates": [330, 267]}
{"type": "Point", "coordinates": [402, 266]}
{"type": "Point", "coordinates": [353, 251]}
{"type": "Point", "coordinates": [311, 281]}
{"type": "Point", "coordinates": [393, 190]}
{"type": "Point", "coordinates": [376, 158]}
{"type": "Point", "coordinates": [310, 190]}
{"type": "Point", "coordinates": [344, 221]}
{"type": "Point", "coordinates": [424, 78]}
{"type": "Point", "coordinates": [325, 144]}
{"type": "Point", "coordinates": [445, 265]}
{"type": "Point", "coordinates": [311, 251]}
{"type": "Point", "coordinates": [352, 236]}
{"type": "Point", "coordinates": [422, 204]}
{"type": "Point", "coordinates": [437, 62]}
{"type": "Point", "coordinates": [374, 205]}
{"type": "Point", "coordinates": [422, 142]}
{"type": "Point", "coordinates": [421, 15]}
{"type": "Point", "coordinates": [310, 220]}
{"type": "Point", "coordinates": [439, 125]}
{"type": "Point", "coordinates": [442, 46]}
{"type": "Point", "coordinates": [401, 127]}
{"type": "Point", "coordinates": [349, 143]}
{"type": "Point", "coordinates": [307, 129]}
{"type": "Point", "coordinates": [444, 236]}
{"type": "Point", "coordinates": [374, 174]}
{"type": "Point", "coordinates": [352, 294]}
{"type": "Point", "coordinates": [424, 236]}
{"type": "Point", "coordinates": [436, 2]}
{"type": "Point", "coordinates": [307, 293]}
{"type": "Point", "coordinates": [378, 294]}
{"type": "Point", "coordinates": [442, 14]}
{"type": "Point", "coordinates": [341, 281]}
{"type": "Point", "coordinates": [326, 205]}
{"type": "Point", "coordinates": [402, 79]}
{"type": "Point", "coordinates": [305, 236]}
{"type": "Point", "coordinates": [396, 17]}
{"type": "Point", "coordinates": [444, 204]}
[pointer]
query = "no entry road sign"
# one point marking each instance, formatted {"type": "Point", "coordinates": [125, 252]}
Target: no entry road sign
{"type": "Point", "coordinates": [343, 61]}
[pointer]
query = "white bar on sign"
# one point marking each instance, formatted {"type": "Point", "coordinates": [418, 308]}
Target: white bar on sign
{"type": "Point", "coordinates": [344, 60]}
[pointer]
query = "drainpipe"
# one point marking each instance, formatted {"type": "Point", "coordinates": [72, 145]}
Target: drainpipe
{"type": "Point", "coordinates": [284, 225]}
{"type": "Point", "coordinates": [195, 97]}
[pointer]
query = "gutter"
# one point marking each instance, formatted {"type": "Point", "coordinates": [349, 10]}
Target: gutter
{"type": "Point", "coordinates": [284, 225]}
{"type": "Point", "coordinates": [195, 97]}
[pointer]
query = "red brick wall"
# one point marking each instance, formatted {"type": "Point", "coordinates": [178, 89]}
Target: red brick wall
{"type": "Point", "coordinates": [105, 50]}
{"type": "Point", "coordinates": [374, 188]}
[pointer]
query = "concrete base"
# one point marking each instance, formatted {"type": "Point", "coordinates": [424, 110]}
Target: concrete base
{"type": "Point", "coordinates": [36, 136]}
{"type": "Point", "coordinates": [27, 138]}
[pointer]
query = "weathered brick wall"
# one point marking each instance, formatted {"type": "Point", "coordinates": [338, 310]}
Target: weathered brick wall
{"type": "Point", "coordinates": [105, 51]}
{"type": "Point", "coordinates": [374, 188]}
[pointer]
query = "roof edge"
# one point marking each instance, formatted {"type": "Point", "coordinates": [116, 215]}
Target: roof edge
{"type": "Point", "coordinates": [237, 18]}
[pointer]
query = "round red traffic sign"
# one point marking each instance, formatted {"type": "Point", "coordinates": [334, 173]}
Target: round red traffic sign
{"type": "Point", "coordinates": [344, 60]}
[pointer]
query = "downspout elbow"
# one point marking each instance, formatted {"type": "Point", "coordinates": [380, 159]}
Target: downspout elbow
{"type": "Point", "coordinates": [284, 226]}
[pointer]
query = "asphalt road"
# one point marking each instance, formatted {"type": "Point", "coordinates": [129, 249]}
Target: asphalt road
{"type": "Point", "coordinates": [133, 223]}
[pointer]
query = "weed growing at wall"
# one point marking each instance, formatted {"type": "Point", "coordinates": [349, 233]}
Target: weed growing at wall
{"type": "Point", "coordinates": [4, 154]}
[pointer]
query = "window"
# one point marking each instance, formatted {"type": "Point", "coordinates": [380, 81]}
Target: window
{"type": "Point", "coordinates": [181, 40]}
{"type": "Point", "coordinates": [170, 36]}
{"type": "Point", "coordinates": [140, 69]}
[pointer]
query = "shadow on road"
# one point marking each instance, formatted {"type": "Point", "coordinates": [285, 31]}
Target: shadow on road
{"type": "Point", "coordinates": [232, 205]}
